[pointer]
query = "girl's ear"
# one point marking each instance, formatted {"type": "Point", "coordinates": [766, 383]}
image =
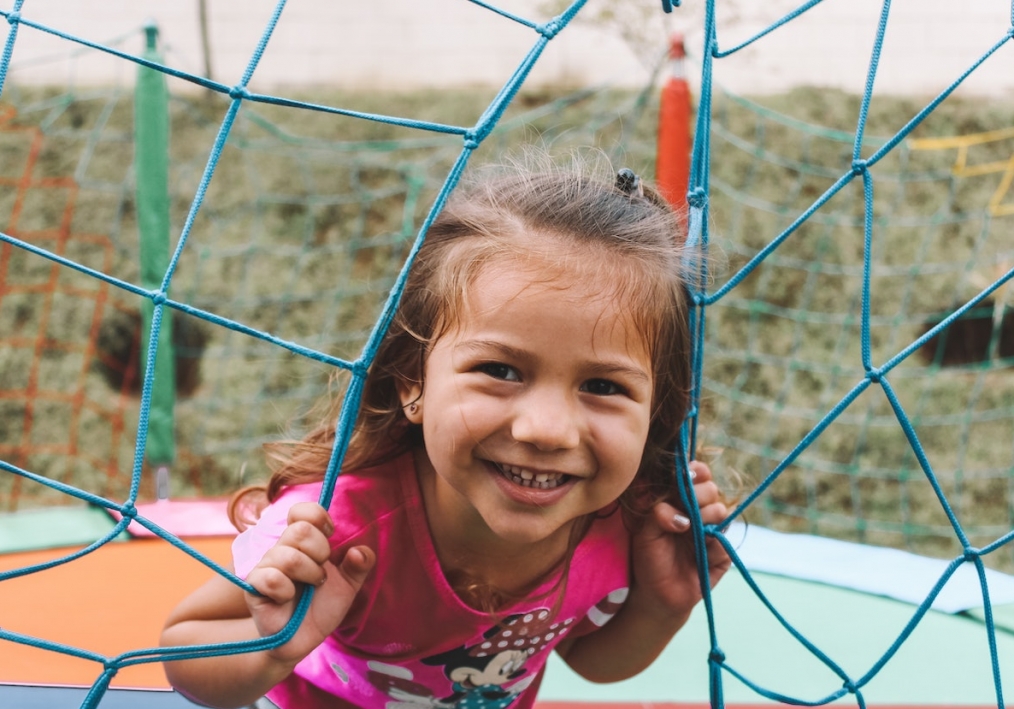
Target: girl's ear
{"type": "Point", "coordinates": [410, 394]}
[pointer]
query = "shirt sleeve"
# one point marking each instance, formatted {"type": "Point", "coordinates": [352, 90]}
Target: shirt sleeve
{"type": "Point", "coordinates": [249, 547]}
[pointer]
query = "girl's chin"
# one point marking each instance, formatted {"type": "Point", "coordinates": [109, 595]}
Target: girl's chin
{"type": "Point", "coordinates": [530, 538]}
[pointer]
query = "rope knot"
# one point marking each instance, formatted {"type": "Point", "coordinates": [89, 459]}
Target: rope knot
{"type": "Point", "coordinates": [716, 656]}
{"type": "Point", "coordinates": [697, 197]}
{"type": "Point", "coordinates": [14, 18]}
{"type": "Point", "coordinates": [858, 167]}
{"type": "Point", "coordinates": [970, 554]}
{"type": "Point", "coordinates": [238, 92]}
{"type": "Point", "coordinates": [550, 29]}
{"type": "Point", "coordinates": [874, 375]}
{"type": "Point", "coordinates": [471, 140]}
{"type": "Point", "coordinates": [159, 297]}
{"type": "Point", "coordinates": [850, 686]}
{"type": "Point", "coordinates": [128, 510]}
{"type": "Point", "coordinates": [697, 298]}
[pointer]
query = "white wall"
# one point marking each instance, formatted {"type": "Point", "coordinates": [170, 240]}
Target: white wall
{"type": "Point", "coordinates": [402, 43]}
{"type": "Point", "coordinates": [928, 44]}
{"type": "Point", "coordinates": [352, 43]}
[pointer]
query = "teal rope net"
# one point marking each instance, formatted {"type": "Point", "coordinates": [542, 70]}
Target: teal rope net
{"type": "Point", "coordinates": [785, 343]}
{"type": "Point", "coordinates": [244, 143]}
{"type": "Point", "coordinates": [858, 171]}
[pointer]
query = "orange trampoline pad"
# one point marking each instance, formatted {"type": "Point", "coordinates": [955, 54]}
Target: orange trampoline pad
{"type": "Point", "coordinates": [111, 601]}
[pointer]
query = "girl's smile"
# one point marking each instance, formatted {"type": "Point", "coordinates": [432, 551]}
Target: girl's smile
{"type": "Point", "coordinates": [535, 404]}
{"type": "Point", "coordinates": [528, 478]}
{"type": "Point", "coordinates": [530, 490]}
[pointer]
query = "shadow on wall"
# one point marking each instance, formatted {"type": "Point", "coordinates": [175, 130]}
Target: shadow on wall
{"type": "Point", "coordinates": [118, 351]}
{"type": "Point", "coordinates": [971, 338]}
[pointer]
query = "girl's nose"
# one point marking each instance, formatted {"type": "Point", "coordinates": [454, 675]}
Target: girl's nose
{"type": "Point", "coordinates": [546, 420]}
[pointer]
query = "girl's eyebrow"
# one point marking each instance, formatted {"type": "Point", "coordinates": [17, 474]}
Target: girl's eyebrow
{"type": "Point", "coordinates": [618, 368]}
{"type": "Point", "coordinates": [487, 346]}
{"type": "Point", "coordinates": [601, 368]}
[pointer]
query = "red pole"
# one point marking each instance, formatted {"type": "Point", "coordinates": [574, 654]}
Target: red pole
{"type": "Point", "coordinates": [672, 160]}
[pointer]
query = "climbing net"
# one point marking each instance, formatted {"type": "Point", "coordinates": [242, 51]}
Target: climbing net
{"type": "Point", "coordinates": [785, 344]}
{"type": "Point", "coordinates": [865, 377]}
{"type": "Point", "coordinates": [839, 402]}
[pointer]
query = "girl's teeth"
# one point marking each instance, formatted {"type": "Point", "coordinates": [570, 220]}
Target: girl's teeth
{"type": "Point", "coordinates": [526, 478]}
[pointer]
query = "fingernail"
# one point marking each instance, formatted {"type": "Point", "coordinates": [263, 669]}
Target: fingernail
{"type": "Point", "coordinates": [693, 473]}
{"type": "Point", "coordinates": [680, 521]}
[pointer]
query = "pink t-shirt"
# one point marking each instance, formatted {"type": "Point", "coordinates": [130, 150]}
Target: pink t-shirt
{"type": "Point", "coordinates": [408, 640]}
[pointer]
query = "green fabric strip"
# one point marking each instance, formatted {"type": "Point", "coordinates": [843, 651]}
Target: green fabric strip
{"type": "Point", "coordinates": [151, 161]}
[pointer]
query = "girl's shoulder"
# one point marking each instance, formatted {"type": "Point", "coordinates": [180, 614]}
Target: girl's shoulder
{"type": "Point", "coordinates": [380, 483]}
{"type": "Point", "coordinates": [375, 489]}
{"type": "Point", "coordinates": [360, 501]}
{"type": "Point", "coordinates": [606, 541]}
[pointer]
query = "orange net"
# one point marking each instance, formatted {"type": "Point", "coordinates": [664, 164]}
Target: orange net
{"type": "Point", "coordinates": [50, 320]}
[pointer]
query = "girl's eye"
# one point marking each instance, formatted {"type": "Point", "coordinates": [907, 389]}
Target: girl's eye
{"type": "Point", "coordinates": [500, 371]}
{"type": "Point", "coordinates": [601, 387]}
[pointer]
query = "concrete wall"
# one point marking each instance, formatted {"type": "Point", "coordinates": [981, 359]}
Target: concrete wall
{"type": "Point", "coordinates": [391, 44]}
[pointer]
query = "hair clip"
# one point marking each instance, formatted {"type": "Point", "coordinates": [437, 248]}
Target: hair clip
{"type": "Point", "coordinates": [628, 182]}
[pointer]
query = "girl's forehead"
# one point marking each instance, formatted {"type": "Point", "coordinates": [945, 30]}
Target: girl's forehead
{"type": "Point", "coordinates": [561, 269]}
{"type": "Point", "coordinates": [551, 258]}
{"type": "Point", "coordinates": [572, 278]}
{"type": "Point", "coordinates": [569, 294]}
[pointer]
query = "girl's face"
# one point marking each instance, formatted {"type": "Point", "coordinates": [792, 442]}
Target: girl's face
{"type": "Point", "coordinates": [536, 404]}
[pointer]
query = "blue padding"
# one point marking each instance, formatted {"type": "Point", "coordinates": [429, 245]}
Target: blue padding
{"type": "Point", "coordinates": [17, 696]}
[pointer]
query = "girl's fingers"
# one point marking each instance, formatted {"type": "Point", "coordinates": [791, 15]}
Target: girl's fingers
{"type": "Point", "coordinates": [670, 519]}
{"type": "Point", "coordinates": [709, 500]}
{"type": "Point", "coordinates": [282, 568]}
{"type": "Point", "coordinates": [307, 539]}
{"type": "Point", "coordinates": [356, 565]}
{"type": "Point", "coordinates": [313, 513]}
{"type": "Point", "coordinates": [309, 526]}
{"type": "Point", "coordinates": [707, 493]}
{"type": "Point", "coordinates": [699, 471]}
{"type": "Point", "coordinates": [714, 513]}
{"type": "Point", "coordinates": [273, 584]}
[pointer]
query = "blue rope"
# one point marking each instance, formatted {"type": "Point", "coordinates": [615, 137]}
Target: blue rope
{"type": "Point", "coordinates": [14, 19]}
{"type": "Point", "coordinates": [767, 30]}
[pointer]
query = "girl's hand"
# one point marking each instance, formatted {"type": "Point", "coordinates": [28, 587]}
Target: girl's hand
{"type": "Point", "coordinates": [302, 555]}
{"type": "Point", "coordinates": [665, 571]}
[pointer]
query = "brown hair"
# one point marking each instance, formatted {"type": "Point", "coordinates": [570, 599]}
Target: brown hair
{"type": "Point", "coordinates": [641, 242]}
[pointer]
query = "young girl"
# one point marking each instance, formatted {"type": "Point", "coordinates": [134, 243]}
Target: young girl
{"type": "Point", "coordinates": [510, 487]}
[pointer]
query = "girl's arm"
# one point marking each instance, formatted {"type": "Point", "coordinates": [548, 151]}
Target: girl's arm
{"type": "Point", "coordinates": [219, 611]}
{"type": "Point", "coordinates": [664, 591]}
